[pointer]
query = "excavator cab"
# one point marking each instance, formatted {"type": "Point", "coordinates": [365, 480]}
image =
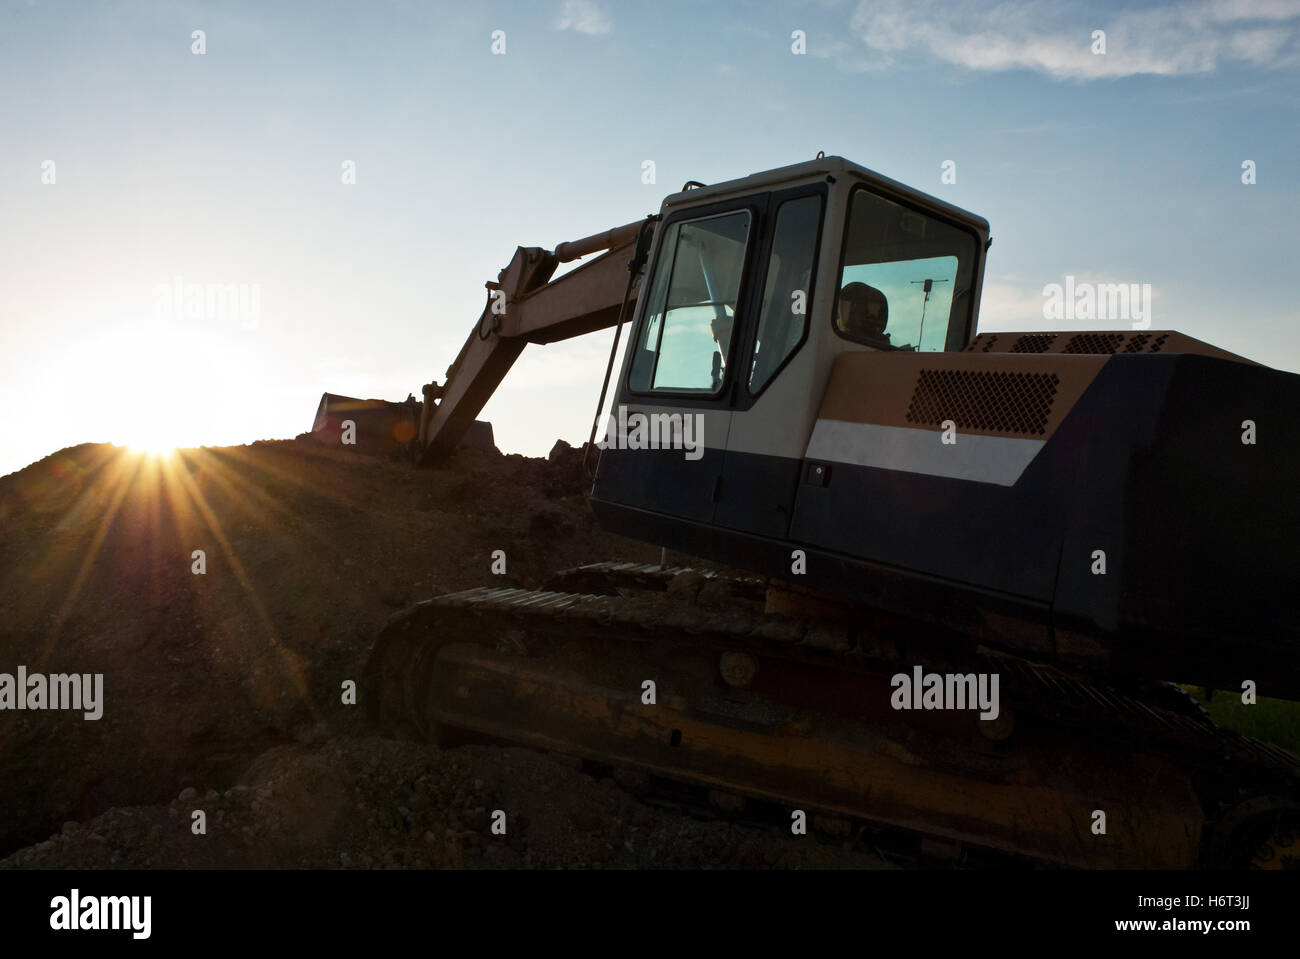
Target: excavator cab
{"type": "Point", "coordinates": [772, 261]}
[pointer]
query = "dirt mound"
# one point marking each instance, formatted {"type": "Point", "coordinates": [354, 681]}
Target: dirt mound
{"type": "Point", "coordinates": [305, 552]}
{"type": "Point", "coordinates": [377, 803]}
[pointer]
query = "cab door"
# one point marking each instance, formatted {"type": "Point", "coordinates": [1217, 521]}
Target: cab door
{"type": "Point", "coordinates": [666, 436]}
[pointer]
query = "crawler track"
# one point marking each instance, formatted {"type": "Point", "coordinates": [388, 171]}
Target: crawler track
{"type": "Point", "coordinates": [806, 721]}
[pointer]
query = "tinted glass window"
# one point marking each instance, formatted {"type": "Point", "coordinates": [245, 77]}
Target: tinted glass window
{"type": "Point", "coordinates": [686, 338]}
{"type": "Point", "coordinates": [905, 280]}
{"type": "Point", "coordinates": [787, 293]}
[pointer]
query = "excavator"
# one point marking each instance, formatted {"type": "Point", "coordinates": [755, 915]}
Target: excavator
{"type": "Point", "coordinates": [950, 585]}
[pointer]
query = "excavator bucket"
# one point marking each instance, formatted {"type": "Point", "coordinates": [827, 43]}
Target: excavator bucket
{"type": "Point", "coordinates": [370, 426]}
{"type": "Point", "coordinates": [380, 427]}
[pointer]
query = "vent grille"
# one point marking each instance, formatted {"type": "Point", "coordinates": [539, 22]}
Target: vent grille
{"type": "Point", "coordinates": [992, 402]}
{"type": "Point", "coordinates": [986, 346]}
{"type": "Point", "coordinates": [1034, 343]}
{"type": "Point", "coordinates": [1139, 343]}
{"type": "Point", "coordinates": [1094, 343]}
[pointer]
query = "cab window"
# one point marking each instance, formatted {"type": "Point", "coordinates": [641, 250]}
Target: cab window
{"type": "Point", "coordinates": [787, 293]}
{"type": "Point", "coordinates": [905, 280]}
{"type": "Point", "coordinates": [688, 332]}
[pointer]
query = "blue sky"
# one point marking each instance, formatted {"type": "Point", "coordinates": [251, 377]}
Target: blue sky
{"type": "Point", "coordinates": [224, 169]}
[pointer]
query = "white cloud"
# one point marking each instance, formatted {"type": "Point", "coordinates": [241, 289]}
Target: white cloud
{"type": "Point", "coordinates": [585, 16]}
{"type": "Point", "coordinates": [1259, 46]}
{"type": "Point", "coordinates": [1047, 36]}
{"type": "Point", "coordinates": [1011, 306]}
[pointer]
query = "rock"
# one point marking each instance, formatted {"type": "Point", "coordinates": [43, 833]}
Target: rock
{"type": "Point", "coordinates": [687, 585]}
{"type": "Point", "coordinates": [188, 793]}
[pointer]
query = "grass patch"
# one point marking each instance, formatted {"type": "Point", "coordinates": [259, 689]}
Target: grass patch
{"type": "Point", "coordinates": [1272, 720]}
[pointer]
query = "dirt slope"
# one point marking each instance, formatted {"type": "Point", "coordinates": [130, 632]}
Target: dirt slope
{"type": "Point", "coordinates": [234, 676]}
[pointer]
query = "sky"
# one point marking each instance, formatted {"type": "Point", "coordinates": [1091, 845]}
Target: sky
{"type": "Point", "coordinates": [131, 164]}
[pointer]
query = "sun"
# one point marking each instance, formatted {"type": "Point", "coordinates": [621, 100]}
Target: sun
{"type": "Point", "coordinates": [157, 384]}
{"type": "Point", "coordinates": [152, 450]}
{"type": "Point", "coordinates": [164, 387]}
{"type": "Point", "coordinates": [149, 434]}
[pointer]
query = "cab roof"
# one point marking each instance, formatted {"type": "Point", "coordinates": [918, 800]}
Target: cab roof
{"type": "Point", "coordinates": [816, 169]}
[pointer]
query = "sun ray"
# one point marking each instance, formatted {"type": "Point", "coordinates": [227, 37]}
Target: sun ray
{"type": "Point", "coordinates": [290, 660]}
{"type": "Point", "coordinates": [250, 461]}
{"type": "Point", "coordinates": [241, 488]}
{"type": "Point", "coordinates": [117, 495]}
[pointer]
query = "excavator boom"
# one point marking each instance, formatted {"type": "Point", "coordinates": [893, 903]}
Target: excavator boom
{"type": "Point", "coordinates": [524, 305]}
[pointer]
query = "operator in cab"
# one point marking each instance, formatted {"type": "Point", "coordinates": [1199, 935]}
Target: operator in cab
{"type": "Point", "coordinates": [864, 314]}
